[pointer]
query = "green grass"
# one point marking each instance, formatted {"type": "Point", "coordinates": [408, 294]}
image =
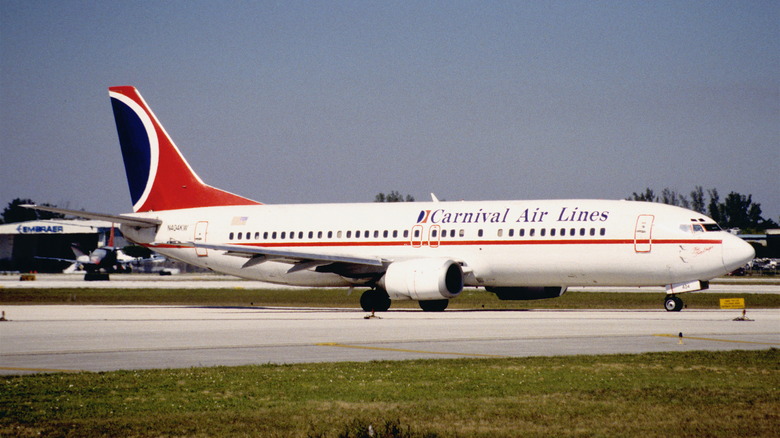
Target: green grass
{"type": "Point", "coordinates": [469, 299]}
{"type": "Point", "coordinates": [726, 394]}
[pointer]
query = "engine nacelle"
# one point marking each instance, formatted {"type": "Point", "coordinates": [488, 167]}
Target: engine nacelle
{"type": "Point", "coordinates": [423, 279]}
{"type": "Point", "coordinates": [527, 292]}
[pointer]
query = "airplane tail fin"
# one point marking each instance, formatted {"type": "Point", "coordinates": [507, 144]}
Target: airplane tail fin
{"type": "Point", "coordinates": [158, 175]}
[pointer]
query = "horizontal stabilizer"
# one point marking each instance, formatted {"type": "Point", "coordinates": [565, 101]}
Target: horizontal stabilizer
{"type": "Point", "coordinates": [141, 222]}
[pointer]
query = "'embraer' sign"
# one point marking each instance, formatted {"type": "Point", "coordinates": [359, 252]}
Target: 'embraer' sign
{"type": "Point", "coordinates": [39, 229]}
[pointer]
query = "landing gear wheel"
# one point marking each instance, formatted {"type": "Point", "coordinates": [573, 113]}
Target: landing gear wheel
{"type": "Point", "coordinates": [434, 305]}
{"type": "Point", "coordinates": [673, 304]}
{"type": "Point", "coordinates": [375, 300]}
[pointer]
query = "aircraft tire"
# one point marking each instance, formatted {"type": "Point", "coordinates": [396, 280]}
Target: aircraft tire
{"type": "Point", "coordinates": [673, 304]}
{"type": "Point", "coordinates": [96, 276]}
{"type": "Point", "coordinates": [434, 305]}
{"type": "Point", "coordinates": [375, 300]}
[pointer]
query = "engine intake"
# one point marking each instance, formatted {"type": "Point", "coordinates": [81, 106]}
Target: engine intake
{"type": "Point", "coordinates": [423, 279]}
{"type": "Point", "coordinates": [527, 292]}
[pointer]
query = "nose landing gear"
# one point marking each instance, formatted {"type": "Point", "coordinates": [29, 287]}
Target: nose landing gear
{"type": "Point", "coordinates": [673, 303]}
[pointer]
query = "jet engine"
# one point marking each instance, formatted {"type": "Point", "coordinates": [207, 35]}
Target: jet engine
{"type": "Point", "coordinates": [423, 279]}
{"type": "Point", "coordinates": [527, 292]}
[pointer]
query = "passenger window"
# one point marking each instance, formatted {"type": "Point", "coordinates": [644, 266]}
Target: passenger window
{"type": "Point", "coordinates": [511, 232]}
{"type": "Point", "coordinates": [563, 231]}
{"type": "Point", "coordinates": [543, 232]}
{"type": "Point", "coordinates": [385, 234]}
{"type": "Point", "coordinates": [300, 234]}
{"type": "Point", "coordinates": [603, 232]}
{"type": "Point", "coordinates": [330, 234]}
{"type": "Point", "coordinates": [376, 234]}
{"type": "Point", "coordinates": [479, 233]}
{"type": "Point", "coordinates": [311, 234]}
{"type": "Point", "coordinates": [416, 233]}
{"type": "Point", "coordinates": [522, 232]}
{"type": "Point", "coordinates": [592, 231]}
{"type": "Point", "coordinates": [552, 231]}
{"type": "Point", "coordinates": [319, 234]}
{"type": "Point", "coordinates": [406, 234]}
{"type": "Point", "coordinates": [230, 236]}
{"type": "Point", "coordinates": [349, 234]}
{"type": "Point", "coordinates": [462, 232]}
{"type": "Point", "coordinates": [500, 232]}
{"type": "Point", "coordinates": [582, 231]}
{"type": "Point", "coordinates": [338, 234]}
{"type": "Point", "coordinates": [433, 233]}
{"type": "Point", "coordinates": [395, 233]}
{"type": "Point", "coordinates": [532, 232]}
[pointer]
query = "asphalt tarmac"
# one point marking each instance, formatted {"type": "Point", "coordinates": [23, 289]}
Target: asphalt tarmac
{"type": "Point", "coordinates": [769, 285]}
{"type": "Point", "coordinates": [55, 338]}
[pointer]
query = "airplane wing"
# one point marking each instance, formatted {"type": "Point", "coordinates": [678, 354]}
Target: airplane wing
{"type": "Point", "coordinates": [56, 258]}
{"type": "Point", "coordinates": [141, 222]}
{"type": "Point", "coordinates": [302, 260]}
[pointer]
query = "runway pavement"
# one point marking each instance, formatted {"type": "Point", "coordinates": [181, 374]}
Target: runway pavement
{"type": "Point", "coordinates": [768, 285]}
{"type": "Point", "coordinates": [102, 338]}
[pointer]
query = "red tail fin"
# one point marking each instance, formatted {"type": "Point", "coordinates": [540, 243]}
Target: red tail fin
{"type": "Point", "coordinates": [158, 175]}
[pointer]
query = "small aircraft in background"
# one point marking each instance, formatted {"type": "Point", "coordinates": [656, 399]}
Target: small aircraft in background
{"type": "Point", "coordinates": [106, 259]}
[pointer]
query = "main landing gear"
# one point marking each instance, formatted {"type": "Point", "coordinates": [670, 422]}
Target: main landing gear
{"type": "Point", "coordinates": [377, 300]}
{"type": "Point", "coordinates": [673, 303]}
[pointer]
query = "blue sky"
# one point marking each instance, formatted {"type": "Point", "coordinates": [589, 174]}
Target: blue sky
{"type": "Point", "coordinates": [299, 102]}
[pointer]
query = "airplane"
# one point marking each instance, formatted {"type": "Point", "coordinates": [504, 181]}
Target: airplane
{"type": "Point", "coordinates": [103, 259]}
{"type": "Point", "coordinates": [423, 251]}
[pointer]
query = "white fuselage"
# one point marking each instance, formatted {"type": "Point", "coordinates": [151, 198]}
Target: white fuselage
{"type": "Point", "coordinates": [498, 243]}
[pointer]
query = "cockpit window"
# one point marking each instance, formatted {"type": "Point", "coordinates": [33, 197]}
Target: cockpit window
{"type": "Point", "coordinates": [712, 227]}
{"type": "Point", "coordinates": [698, 228]}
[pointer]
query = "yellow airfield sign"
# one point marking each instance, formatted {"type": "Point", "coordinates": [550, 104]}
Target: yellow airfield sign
{"type": "Point", "coordinates": [732, 303]}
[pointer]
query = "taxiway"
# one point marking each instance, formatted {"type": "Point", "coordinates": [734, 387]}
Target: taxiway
{"type": "Point", "coordinates": [40, 338]}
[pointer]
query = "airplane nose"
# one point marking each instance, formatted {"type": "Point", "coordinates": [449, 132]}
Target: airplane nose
{"type": "Point", "coordinates": [736, 253]}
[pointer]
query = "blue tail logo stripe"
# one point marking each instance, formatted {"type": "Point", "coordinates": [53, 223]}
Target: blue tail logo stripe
{"type": "Point", "coordinates": [136, 128]}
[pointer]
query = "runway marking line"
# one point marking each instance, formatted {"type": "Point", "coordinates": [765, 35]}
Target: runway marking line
{"type": "Point", "coordinates": [41, 370]}
{"type": "Point", "coordinates": [402, 350]}
{"type": "Point", "coordinates": [735, 341]}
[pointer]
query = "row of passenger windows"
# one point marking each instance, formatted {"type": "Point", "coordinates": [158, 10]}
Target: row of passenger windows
{"type": "Point", "coordinates": [416, 233]}
{"type": "Point", "coordinates": [553, 232]}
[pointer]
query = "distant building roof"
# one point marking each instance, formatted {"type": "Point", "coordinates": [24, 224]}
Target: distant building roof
{"type": "Point", "coordinates": [55, 226]}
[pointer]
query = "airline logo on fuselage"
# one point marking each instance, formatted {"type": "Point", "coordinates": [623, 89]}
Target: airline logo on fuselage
{"type": "Point", "coordinates": [527, 215]}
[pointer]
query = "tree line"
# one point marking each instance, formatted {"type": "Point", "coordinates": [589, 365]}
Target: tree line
{"type": "Point", "coordinates": [14, 212]}
{"type": "Point", "coordinates": [735, 211]}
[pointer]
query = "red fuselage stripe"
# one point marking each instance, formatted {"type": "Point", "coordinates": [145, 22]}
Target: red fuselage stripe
{"type": "Point", "coordinates": [325, 244]}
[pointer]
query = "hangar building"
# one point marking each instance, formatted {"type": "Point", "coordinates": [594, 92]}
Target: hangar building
{"type": "Point", "coordinates": [22, 242]}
